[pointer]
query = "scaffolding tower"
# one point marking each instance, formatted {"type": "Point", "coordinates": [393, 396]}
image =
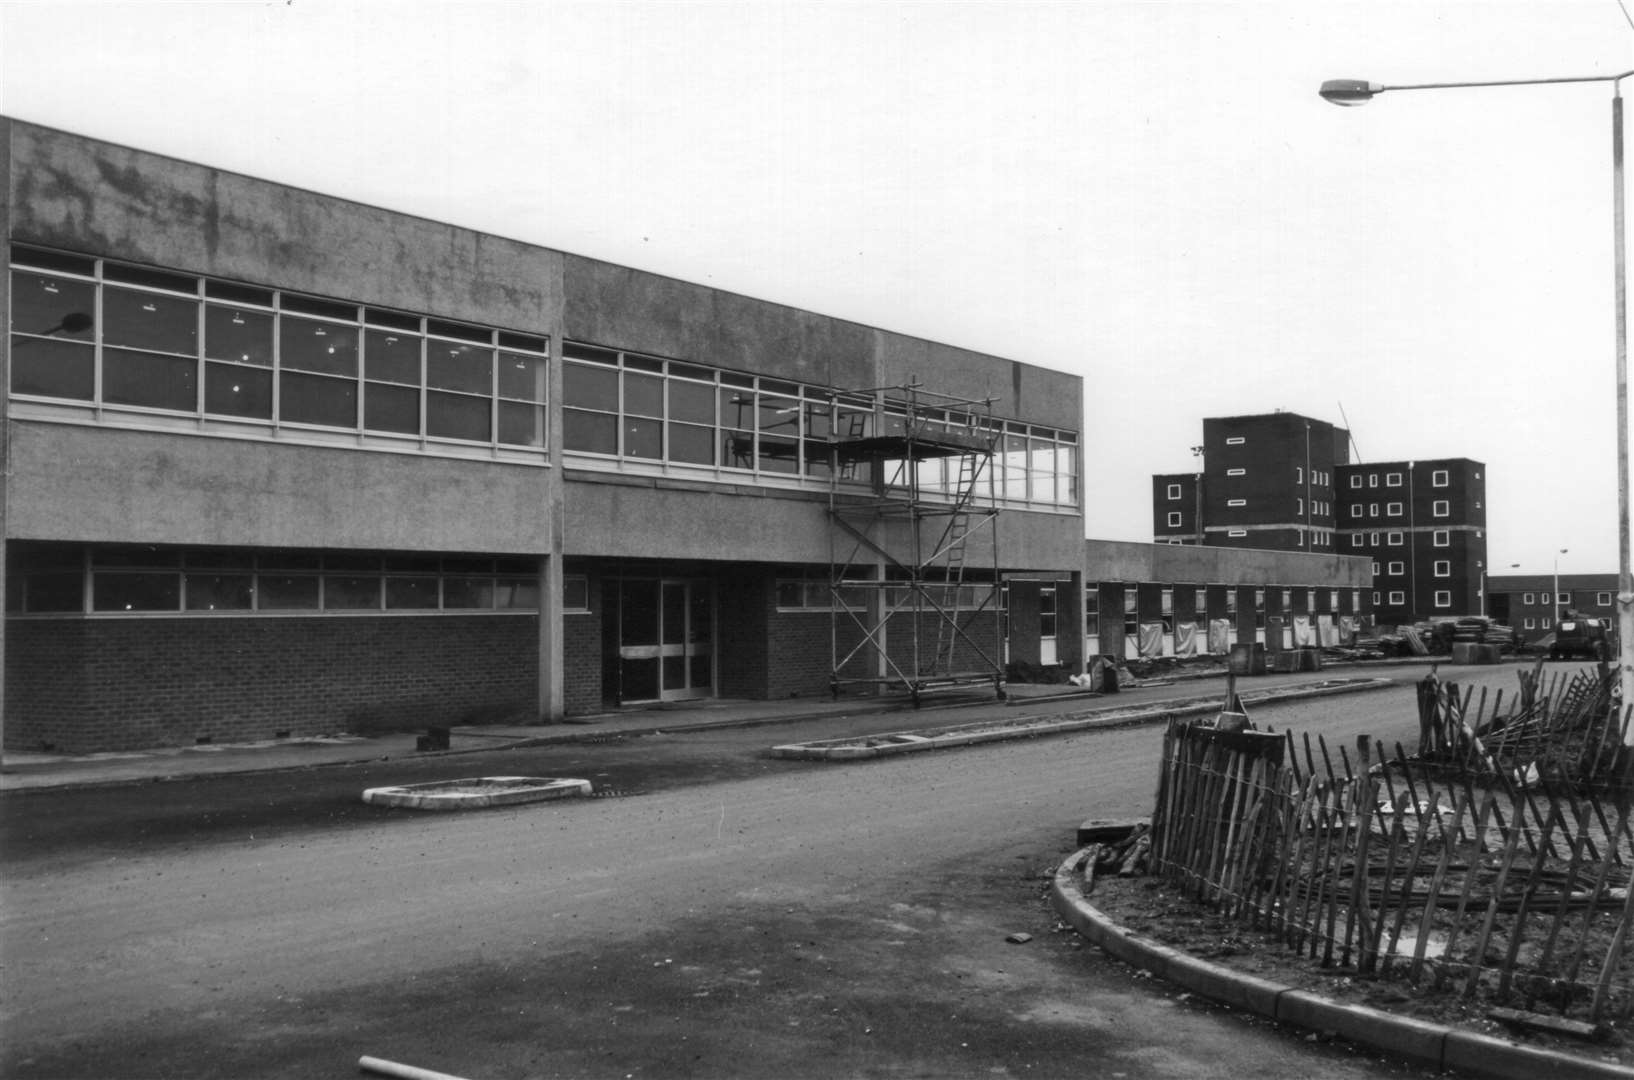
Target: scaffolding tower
{"type": "Point", "coordinates": [911, 484]}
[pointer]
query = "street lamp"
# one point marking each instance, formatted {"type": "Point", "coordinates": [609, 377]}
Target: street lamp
{"type": "Point", "coordinates": [1360, 92]}
{"type": "Point", "coordinates": [1556, 611]}
{"type": "Point", "coordinates": [1197, 492]}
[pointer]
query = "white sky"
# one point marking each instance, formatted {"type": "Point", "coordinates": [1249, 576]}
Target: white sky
{"type": "Point", "coordinates": [1149, 194]}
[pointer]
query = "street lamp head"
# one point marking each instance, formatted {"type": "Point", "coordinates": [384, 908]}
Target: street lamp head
{"type": "Point", "coordinates": [1350, 91]}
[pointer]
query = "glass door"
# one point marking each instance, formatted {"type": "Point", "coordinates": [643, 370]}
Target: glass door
{"type": "Point", "coordinates": [1046, 626]}
{"type": "Point", "coordinates": [666, 640]}
{"type": "Point", "coordinates": [688, 640]}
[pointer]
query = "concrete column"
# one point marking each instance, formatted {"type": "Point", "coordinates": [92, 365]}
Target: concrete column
{"type": "Point", "coordinates": [1074, 596]}
{"type": "Point", "coordinates": [551, 659]}
{"type": "Point", "coordinates": [5, 401]}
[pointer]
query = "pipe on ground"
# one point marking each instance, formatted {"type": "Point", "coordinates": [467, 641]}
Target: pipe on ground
{"type": "Point", "coordinates": [382, 1067]}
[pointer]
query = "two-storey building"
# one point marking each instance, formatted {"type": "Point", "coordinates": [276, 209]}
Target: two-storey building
{"type": "Point", "coordinates": [278, 463]}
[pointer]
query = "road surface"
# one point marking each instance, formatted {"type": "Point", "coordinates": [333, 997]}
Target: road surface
{"type": "Point", "coordinates": [746, 918]}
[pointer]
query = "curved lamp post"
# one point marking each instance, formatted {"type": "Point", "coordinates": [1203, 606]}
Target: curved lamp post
{"type": "Point", "coordinates": [1360, 92]}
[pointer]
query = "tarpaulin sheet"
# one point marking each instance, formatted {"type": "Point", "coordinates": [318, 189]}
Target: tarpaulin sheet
{"type": "Point", "coordinates": [1326, 633]}
{"type": "Point", "coordinates": [1303, 635]}
{"type": "Point", "coordinates": [1185, 639]}
{"type": "Point", "coordinates": [1151, 639]}
{"type": "Point", "coordinates": [1219, 636]}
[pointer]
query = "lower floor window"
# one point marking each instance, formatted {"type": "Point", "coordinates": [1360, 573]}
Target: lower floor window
{"type": "Point", "coordinates": [112, 579]}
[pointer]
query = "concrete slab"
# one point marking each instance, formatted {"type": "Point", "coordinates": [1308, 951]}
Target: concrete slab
{"type": "Point", "coordinates": [476, 793]}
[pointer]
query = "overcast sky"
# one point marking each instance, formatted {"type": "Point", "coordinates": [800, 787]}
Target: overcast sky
{"type": "Point", "coordinates": [1148, 194]}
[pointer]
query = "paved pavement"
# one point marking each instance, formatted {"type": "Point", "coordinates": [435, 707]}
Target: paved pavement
{"type": "Point", "coordinates": [23, 771]}
{"type": "Point", "coordinates": [19, 771]}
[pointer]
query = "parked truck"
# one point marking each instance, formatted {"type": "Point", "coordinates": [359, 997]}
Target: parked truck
{"type": "Point", "coordinates": [1583, 636]}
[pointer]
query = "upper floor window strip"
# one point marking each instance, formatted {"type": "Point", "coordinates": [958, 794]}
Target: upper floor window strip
{"type": "Point", "coordinates": [135, 341]}
{"type": "Point", "coordinates": [634, 408]}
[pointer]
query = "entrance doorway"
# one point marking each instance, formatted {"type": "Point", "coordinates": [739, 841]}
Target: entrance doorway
{"type": "Point", "coordinates": [1046, 627]}
{"type": "Point", "coordinates": [666, 640]}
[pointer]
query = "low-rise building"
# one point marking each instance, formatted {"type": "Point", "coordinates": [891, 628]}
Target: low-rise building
{"type": "Point", "coordinates": [1532, 604]}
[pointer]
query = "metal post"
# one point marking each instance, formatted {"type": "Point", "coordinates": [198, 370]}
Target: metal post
{"type": "Point", "coordinates": [1359, 91]}
{"type": "Point", "coordinates": [1554, 609]}
{"type": "Point", "coordinates": [1625, 580]}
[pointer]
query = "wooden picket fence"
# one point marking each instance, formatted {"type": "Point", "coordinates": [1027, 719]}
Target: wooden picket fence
{"type": "Point", "coordinates": [1457, 868]}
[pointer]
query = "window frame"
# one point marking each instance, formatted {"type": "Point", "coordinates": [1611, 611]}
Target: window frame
{"type": "Point", "coordinates": [270, 407]}
{"type": "Point", "coordinates": [327, 582]}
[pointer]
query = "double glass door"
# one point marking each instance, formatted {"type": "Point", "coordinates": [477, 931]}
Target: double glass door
{"type": "Point", "coordinates": [666, 640]}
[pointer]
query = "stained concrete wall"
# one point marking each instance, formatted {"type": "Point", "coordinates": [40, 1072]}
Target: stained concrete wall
{"type": "Point", "coordinates": [85, 195]}
{"type": "Point", "coordinates": [73, 483]}
{"type": "Point", "coordinates": [1112, 560]}
{"type": "Point", "coordinates": [88, 484]}
{"type": "Point", "coordinates": [630, 309]}
{"type": "Point", "coordinates": [651, 518]}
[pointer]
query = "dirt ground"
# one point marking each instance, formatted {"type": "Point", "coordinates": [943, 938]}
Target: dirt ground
{"type": "Point", "coordinates": [1155, 909]}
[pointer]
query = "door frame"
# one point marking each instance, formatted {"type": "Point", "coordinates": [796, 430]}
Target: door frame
{"type": "Point", "coordinates": [686, 647]}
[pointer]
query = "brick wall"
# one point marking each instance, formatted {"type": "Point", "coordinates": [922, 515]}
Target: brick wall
{"type": "Point", "coordinates": [582, 656]}
{"type": "Point", "coordinates": [745, 600]}
{"type": "Point", "coordinates": [803, 653]}
{"type": "Point", "coordinates": [83, 685]}
{"type": "Point", "coordinates": [1024, 636]}
{"type": "Point", "coordinates": [978, 628]}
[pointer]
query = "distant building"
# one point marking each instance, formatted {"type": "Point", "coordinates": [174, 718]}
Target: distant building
{"type": "Point", "coordinates": [1285, 482]}
{"type": "Point", "coordinates": [1266, 483]}
{"type": "Point", "coordinates": [1423, 523]}
{"type": "Point", "coordinates": [1531, 604]}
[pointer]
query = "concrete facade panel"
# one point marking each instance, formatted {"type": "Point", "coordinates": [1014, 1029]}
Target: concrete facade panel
{"type": "Point", "coordinates": [91, 484]}
{"type": "Point", "coordinates": [624, 308]}
{"type": "Point", "coordinates": [1112, 560]}
{"type": "Point", "coordinates": [648, 522]}
{"type": "Point", "coordinates": [620, 307]}
{"type": "Point", "coordinates": [1045, 397]}
{"type": "Point", "coordinates": [631, 517]}
{"type": "Point", "coordinates": [109, 200]}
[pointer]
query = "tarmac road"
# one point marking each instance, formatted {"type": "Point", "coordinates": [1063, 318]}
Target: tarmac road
{"type": "Point", "coordinates": [758, 919]}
